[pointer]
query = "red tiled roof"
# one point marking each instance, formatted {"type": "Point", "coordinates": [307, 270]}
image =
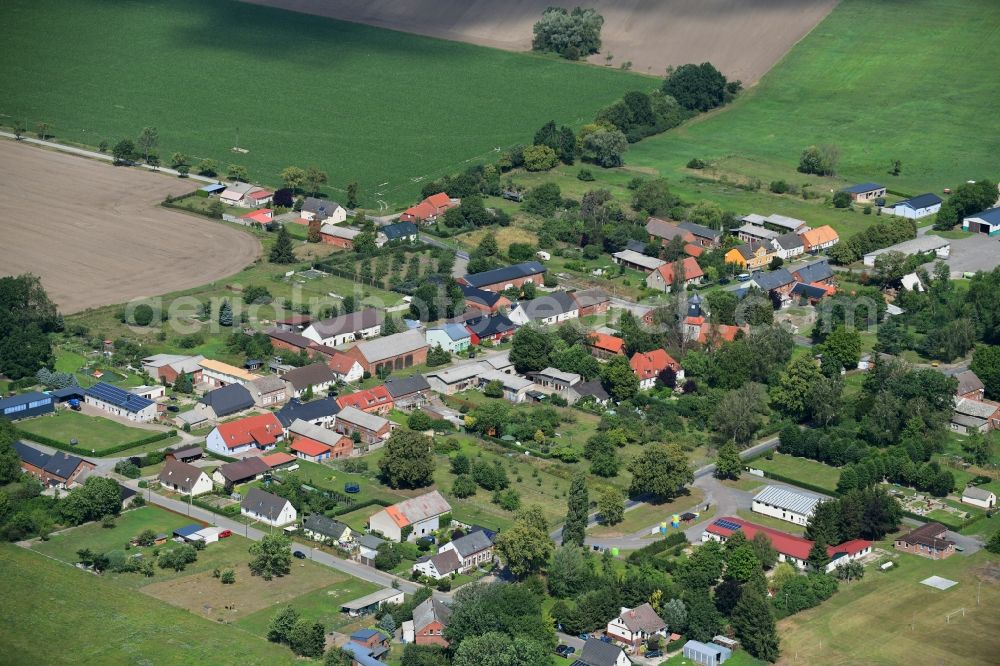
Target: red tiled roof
{"type": "Point", "coordinates": [279, 458]}
{"type": "Point", "coordinates": [260, 194]}
{"type": "Point", "coordinates": [247, 431]}
{"type": "Point", "coordinates": [366, 399]}
{"type": "Point", "coordinates": [691, 270]}
{"type": "Point", "coordinates": [340, 362]}
{"type": "Point", "coordinates": [651, 364]}
{"type": "Point", "coordinates": [786, 544]}
{"type": "Point", "coordinates": [693, 250]}
{"type": "Point", "coordinates": [439, 200]}
{"type": "Point", "coordinates": [309, 447]}
{"type": "Point", "coordinates": [610, 343]}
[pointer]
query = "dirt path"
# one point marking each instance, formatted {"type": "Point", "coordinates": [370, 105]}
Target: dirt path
{"type": "Point", "coordinates": [743, 38]}
{"type": "Point", "coordinates": [96, 234]}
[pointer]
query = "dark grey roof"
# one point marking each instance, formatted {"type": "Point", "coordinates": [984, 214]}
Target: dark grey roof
{"type": "Point", "coordinates": [592, 388]}
{"type": "Point", "coordinates": [504, 274]}
{"type": "Point", "coordinates": [347, 323]}
{"type": "Point", "coordinates": [181, 474]}
{"type": "Point", "coordinates": [228, 399]}
{"type": "Point", "coordinates": [700, 230]}
{"type": "Point", "coordinates": [477, 295]}
{"type": "Point", "coordinates": [636, 246]}
{"type": "Point", "coordinates": [290, 337]}
{"type": "Point", "coordinates": [187, 452]}
{"type": "Point", "coordinates": [328, 527]}
{"type": "Point", "coordinates": [307, 411]}
{"type": "Point", "coordinates": [773, 279]}
{"type": "Point", "coordinates": [428, 611]}
{"type": "Point", "coordinates": [241, 470]}
{"type": "Point", "coordinates": [472, 543]}
{"type": "Point", "coordinates": [404, 386]}
{"type": "Point", "coordinates": [446, 561]}
{"type": "Point", "coordinates": [399, 230]}
{"type": "Point", "coordinates": [486, 327]}
{"type": "Point", "coordinates": [550, 305]}
{"type": "Point", "coordinates": [863, 187]}
{"type": "Point", "coordinates": [263, 504]}
{"type": "Point", "coordinates": [324, 207]}
{"type": "Point", "coordinates": [62, 465]}
{"type": "Point", "coordinates": [309, 375]}
{"type": "Point", "coordinates": [789, 241]}
{"type": "Point", "coordinates": [598, 653]}
{"type": "Point", "coordinates": [920, 201]}
{"type": "Point", "coordinates": [31, 455]}
{"type": "Point", "coordinates": [370, 541]}
{"type": "Point", "coordinates": [809, 291]}
{"type": "Point", "coordinates": [817, 271]}
{"type": "Point", "coordinates": [968, 381]}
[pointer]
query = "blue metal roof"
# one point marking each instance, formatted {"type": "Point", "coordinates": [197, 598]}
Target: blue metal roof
{"type": "Point", "coordinates": [23, 399]}
{"type": "Point", "coordinates": [920, 201]}
{"type": "Point", "coordinates": [213, 188]}
{"type": "Point", "coordinates": [187, 530]}
{"type": "Point", "coordinates": [991, 215]}
{"type": "Point", "coordinates": [118, 397]}
{"type": "Point", "coordinates": [863, 187]}
{"type": "Point", "coordinates": [455, 331]}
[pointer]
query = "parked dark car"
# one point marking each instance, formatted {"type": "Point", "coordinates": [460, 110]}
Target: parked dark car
{"type": "Point", "coordinates": [299, 555]}
{"type": "Point", "coordinates": [654, 653]}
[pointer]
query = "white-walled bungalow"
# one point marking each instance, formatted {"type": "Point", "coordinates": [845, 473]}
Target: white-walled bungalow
{"type": "Point", "coordinates": [267, 508]}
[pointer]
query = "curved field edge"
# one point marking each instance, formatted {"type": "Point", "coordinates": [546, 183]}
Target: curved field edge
{"type": "Point", "coordinates": [387, 109]}
{"type": "Point", "coordinates": [56, 614]}
{"type": "Point", "coordinates": [881, 80]}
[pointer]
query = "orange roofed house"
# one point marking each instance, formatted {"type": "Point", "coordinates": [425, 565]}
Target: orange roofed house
{"type": "Point", "coordinates": [253, 432]}
{"type": "Point", "coordinates": [698, 329]}
{"type": "Point", "coordinates": [662, 279]}
{"type": "Point", "coordinates": [417, 517]}
{"type": "Point", "coordinates": [428, 210]}
{"type": "Point", "coordinates": [648, 366]}
{"type": "Point", "coordinates": [375, 400]}
{"type": "Point", "coordinates": [819, 238]}
{"type": "Point", "coordinates": [316, 443]}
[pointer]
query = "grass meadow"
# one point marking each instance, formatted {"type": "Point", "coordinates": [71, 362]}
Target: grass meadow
{"type": "Point", "coordinates": [890, 618]}
{"type": "Point", "coordinates": [801, 469]}
{"type": "Point", "coordinates": [93, 433]}
{"type": "Point", "coordinates": [881, 80]}
{"type": "Point", "coordinates": [384, 108]}
{"type": "Point", "coordinates": [56, 614]}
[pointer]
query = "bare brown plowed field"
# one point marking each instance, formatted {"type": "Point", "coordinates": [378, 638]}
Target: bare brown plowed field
{"type": "Point", "coordinates": [96, 234]}
{"type": "Point", "coordinates": [743, 38]}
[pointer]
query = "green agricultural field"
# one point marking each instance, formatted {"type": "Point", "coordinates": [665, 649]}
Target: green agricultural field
{"type": "Point", "coordinates": [801, 469]}
{"type": "Point", "coordinates": [47, 603]}
{"type": "Point", "coordinates": [862, 80]}
{"type": "Point", "coordinates": [94, 433]}
{"type": "Point", "coordinates": [384, 108]}
{"type": "Point", "coordinates": [890, 618]}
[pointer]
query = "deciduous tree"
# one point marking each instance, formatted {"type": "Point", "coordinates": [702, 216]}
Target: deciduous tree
{"type": "Point", "coordinates": [271, 556]}
{"type": "Point", "coordinates": [575, 527]}
{"type": "Point", "coordinates": [408, 461]}
{"type": "Point", "coordinates": [661, 470]}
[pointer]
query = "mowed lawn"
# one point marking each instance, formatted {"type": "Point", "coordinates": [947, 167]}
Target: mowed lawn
{"type": "Point", "coordinates": [95, 621]}
{"type": "Point", "coordinates": [890, 618]}
{"type": "Point", "coordinates": [386, 109]}
{"type": "Point", "coordinates": [881, 81]}
{"type": "Point", "coordinates": [93, 433]}
{"type": "Point", "coordinates": [647, 515]}
{"type": "Point", "coordinates": [322, 605]}
{"type": "Point", "coordinates": [800, 469]}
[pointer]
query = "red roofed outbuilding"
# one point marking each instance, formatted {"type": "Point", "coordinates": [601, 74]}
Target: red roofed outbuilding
{"type": "Point", "coordinates": [602, 345]}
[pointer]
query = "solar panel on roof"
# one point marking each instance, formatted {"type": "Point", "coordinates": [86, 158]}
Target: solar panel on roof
{"type": "Point", "coordinates": [119, 397]}
{"type": "Point", "coordinates": [727, 524]}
